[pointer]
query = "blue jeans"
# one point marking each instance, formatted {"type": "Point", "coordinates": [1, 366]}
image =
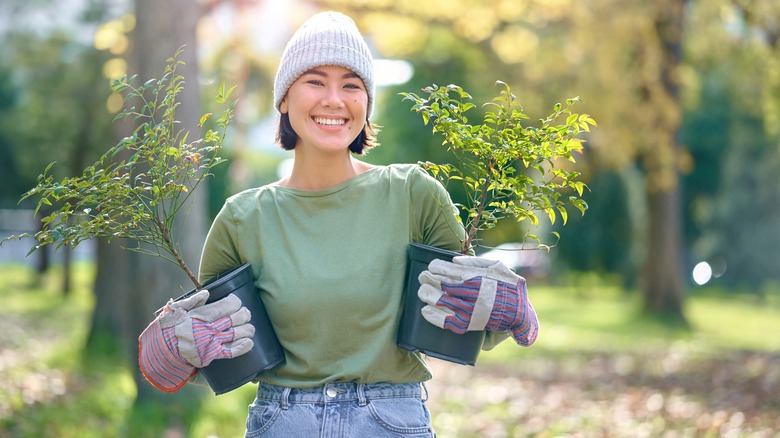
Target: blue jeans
{"type": "Point", "coordinates": [339, 410]}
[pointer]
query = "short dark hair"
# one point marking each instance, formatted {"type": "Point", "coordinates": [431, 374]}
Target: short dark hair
{"type": "Point", "coordinates": [287, 137]}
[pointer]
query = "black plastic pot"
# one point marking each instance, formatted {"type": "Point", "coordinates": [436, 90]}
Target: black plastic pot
{"type": "Point", "coordinates": [415, 333]}
{"type": "Point", "coordinates": [224, 375]}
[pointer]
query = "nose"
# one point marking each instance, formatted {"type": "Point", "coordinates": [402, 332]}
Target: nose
{"type": "Point", "coordinates": [332, 98]}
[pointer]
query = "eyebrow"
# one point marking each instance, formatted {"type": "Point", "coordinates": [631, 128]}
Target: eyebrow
{"type": "Point", "coordinates": [349, 75]}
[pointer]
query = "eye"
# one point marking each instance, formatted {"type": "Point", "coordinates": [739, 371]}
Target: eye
{"type": "Point", "coordinates": [314, 82]}
{"type": "Point", "coordinates": [353, 86]}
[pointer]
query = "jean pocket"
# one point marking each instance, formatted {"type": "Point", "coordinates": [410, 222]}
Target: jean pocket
{"type": "Point", "coordinates": [406, 416]}
{"type": "Point", "coordinates": [262, 414]}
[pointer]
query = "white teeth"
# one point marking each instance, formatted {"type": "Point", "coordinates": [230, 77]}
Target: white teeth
{"type": "Point", "coordinates": [329, 122]}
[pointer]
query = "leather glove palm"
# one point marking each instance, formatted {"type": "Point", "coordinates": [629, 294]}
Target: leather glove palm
{"type": "Point", "coordinates": [213, 331]}
{"type": "Point", "coordinates": [473, 293]}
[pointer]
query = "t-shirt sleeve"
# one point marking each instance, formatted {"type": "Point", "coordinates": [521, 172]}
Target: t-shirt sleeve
{"type": "Point", "coordinates": [440, 227]}
{"type": "Point", "coordinates": [220, 252]}
{"type": "Point", "coordinates": [494, 338]}
{"type": "Point", "coordinates": [437, 217]}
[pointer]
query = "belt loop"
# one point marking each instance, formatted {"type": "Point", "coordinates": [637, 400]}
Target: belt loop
{"type": "Point", "coordinates": [362, 400]}
{"type": "Point", "coordinates": [286, 398]}
{"type": "Point", "coordinates": [425, 390]}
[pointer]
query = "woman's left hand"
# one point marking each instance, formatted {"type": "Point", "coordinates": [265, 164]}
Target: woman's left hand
{"type": "Point", "coordinates": [474, 293]}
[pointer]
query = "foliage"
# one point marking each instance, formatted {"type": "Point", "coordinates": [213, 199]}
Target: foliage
{"type": "Point", "coordinates": [52, 108]}
{"type": "Point", "coordinates": [607, 239]}
{"type": "Point", "coordinates": [608, 52]}
{"type": "Point", "coordinates": [744, 243]}
{"type": "Point", "coordinates": [735, 153]}
{"type": "Point", "coordinates": [9, 170]}
{"type": "Point", "coordinates": [507, 169]}
{"type": "Point", "coordinates": [136, 197]}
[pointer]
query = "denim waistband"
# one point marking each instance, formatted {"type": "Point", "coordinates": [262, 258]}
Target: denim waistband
{"type": "Point", "coordinates": [339, 392]}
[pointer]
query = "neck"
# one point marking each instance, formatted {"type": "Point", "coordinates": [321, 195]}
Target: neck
{"type": "Point", "coordinates": [321, 174]}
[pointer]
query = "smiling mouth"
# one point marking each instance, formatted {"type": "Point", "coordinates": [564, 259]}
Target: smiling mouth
{"type": "Point", "coordinates": [329, 122]}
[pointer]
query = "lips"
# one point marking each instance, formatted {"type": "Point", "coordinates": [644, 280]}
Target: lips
{"type": "Point", "coordinates": [329, 122]}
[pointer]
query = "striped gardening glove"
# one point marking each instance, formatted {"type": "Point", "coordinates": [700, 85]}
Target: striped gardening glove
{"type": "Point", "coordinates": [188, 335]}
{"type": "Point", "coordinates": [473, 293]}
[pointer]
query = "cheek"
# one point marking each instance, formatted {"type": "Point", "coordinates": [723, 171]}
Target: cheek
{"type": "Point", "coordinates": [362, 103]}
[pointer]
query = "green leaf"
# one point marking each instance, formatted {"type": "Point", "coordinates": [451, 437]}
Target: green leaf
{"type": "Point", "coordinates": [494, 158]}
{"type": "Point", "coordinates": [203, 119]}
{"type": "Point", "coordinates": [564, 213]}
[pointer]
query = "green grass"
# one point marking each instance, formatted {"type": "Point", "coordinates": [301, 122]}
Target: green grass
{"type": "Point", "coordinates": [610, 320]}
{"type": "Point", "coordinates": [49, 389]}
{"type": "Point", "coordinates": [53, 387]}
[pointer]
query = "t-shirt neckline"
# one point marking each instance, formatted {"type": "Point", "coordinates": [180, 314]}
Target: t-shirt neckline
{"type": "Point", "coordinates": [330, 190]}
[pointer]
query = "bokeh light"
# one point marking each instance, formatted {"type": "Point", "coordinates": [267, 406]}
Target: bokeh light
{"type": "Point", "coordinates": [115, 68]}
{"type": "Point", "coordinates": [702, 273]}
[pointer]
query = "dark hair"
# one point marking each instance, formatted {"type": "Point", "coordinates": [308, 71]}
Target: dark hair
{"type": "Point", "coordinates": [287, 137]}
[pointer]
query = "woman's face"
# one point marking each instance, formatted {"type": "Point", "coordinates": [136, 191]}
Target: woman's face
{"type": "Point", "coordinates": [327, 107]}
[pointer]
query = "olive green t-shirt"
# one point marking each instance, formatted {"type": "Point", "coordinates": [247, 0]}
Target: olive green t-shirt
{"type": "Point", "coordinates": [330, 267]}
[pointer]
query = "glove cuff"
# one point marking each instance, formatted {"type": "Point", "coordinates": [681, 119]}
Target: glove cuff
{"type": "Point", "coordinates": [158, 364]}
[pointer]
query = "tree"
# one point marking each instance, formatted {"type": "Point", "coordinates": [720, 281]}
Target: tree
{"type": "Point", "coordinates": [11, 178]}
{"type": "Point", "coordinates": [628, 76]}
{"type": "Point", "coordinates": [56, 113]}
{"type": "Point", "coordinates": [662, 277]}
{"type": "Point", "coordinates": [129, 286]}
{"type": "Point", "coordinates": [732, 130]}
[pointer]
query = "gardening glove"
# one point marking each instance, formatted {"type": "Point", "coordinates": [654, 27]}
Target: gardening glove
{"type": "Point", "coordinates": [473, 294]}
{"type": "Point", "coordinates": [188, 335]}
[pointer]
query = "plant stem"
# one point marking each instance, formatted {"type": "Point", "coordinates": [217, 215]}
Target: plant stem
{"type": "Point", "coordinates": [480, 208]}
{"type": "Point", "coordinates": [175, 253]}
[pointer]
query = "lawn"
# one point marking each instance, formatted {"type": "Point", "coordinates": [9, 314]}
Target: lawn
{"type": "Point", "coordinates": [599, 369]}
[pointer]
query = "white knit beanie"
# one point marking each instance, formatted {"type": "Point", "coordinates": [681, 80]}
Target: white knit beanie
{"type": "Point", "coordinates": [327, 38]}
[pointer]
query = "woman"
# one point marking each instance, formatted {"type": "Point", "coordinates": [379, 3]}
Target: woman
{"type": "Point", "coordinates": [327, 245]}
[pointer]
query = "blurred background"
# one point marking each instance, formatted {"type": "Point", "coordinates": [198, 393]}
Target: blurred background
{"type": "Point", "coordinates": [670, 279]}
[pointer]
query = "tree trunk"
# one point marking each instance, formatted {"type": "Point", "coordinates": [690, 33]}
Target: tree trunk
{"type": "Point", "coordinates": [67, 270]}
{"type": "Point", "coordinates": [663, 285]}
{"type": "Point", "coordinates": [43, 255]}
{"type": "Point", "coordinates": [163, 27]}
{"type": "Point", "coordinates": [113, 286]}
{"type": "Point", "coordinates": [130, 286]}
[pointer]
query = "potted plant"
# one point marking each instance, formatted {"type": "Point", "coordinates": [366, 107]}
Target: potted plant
{"type": "Point", "coordinates": [138, 197]}
{"type": "Point", "coordinates": [507, 169]}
